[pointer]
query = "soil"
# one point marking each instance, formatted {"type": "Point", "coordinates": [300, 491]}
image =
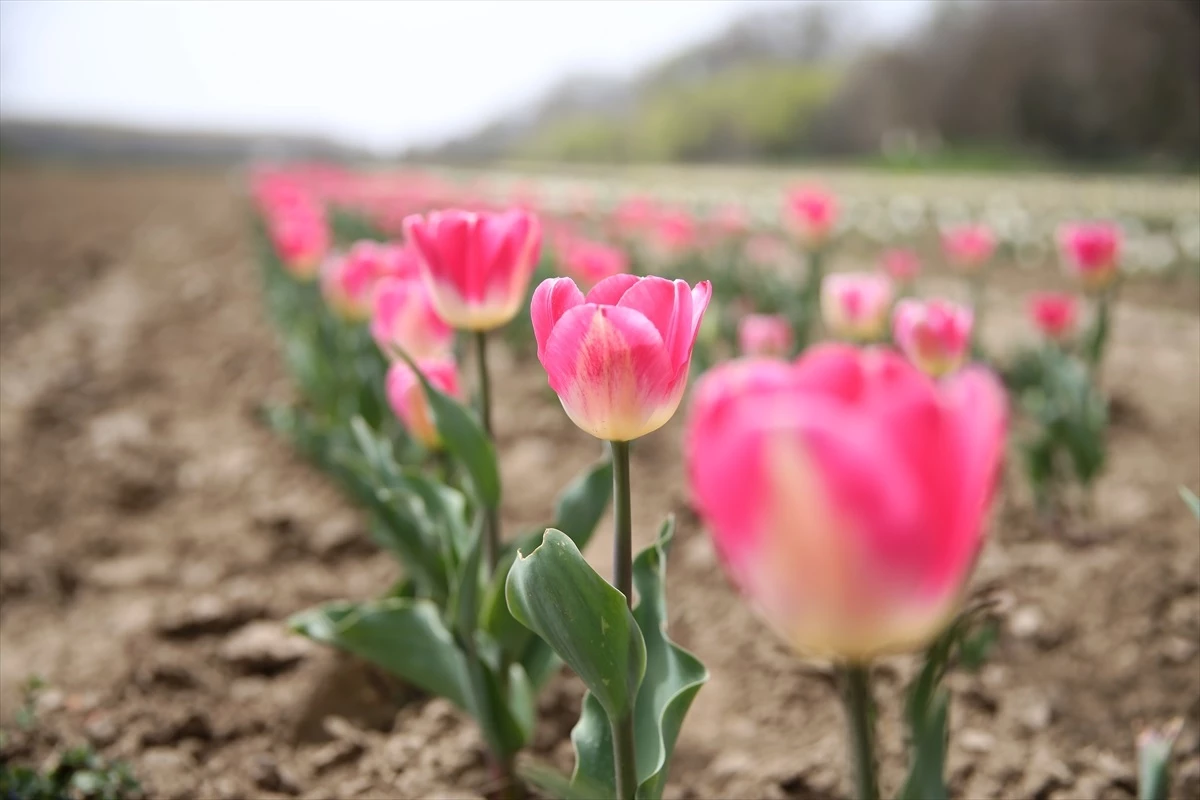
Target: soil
{"type": "Point", "coordinates": [154, 535]}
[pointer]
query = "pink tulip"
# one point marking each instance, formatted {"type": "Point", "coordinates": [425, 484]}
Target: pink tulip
{"type": "Point", "coordinates": [477, 266]}
{"type": "Point", "coordinates": [592, 262]}
{"type": "Point", "coordinates": [407, 398]}
{"type": "Point", "coordinates": [765, 335]}
{"type": "Point", "coordinates": [674, 234]}
{"type": "Point", "coordinates": [902, 266]}
{"type": "Point", "coordinates": [403, 319]}
{"type": "Point", "coordinates": [846, 493]}
{"type": "Point", "coordinates": [854, 305]}
{"type": "Point", "coordinates": [618, 358]}
{"type": "Point", "coordinates": [634, 215]}
{"type": "Point", "coordinates": [301, 240]}
{"type": "Point", "coordinates": [1090, 251]}
{"type": "Point", "coordinates": [934, 334]}
{"type": "Point", "coordinates": [348, 281]}
{"type": "Point", "coordinates": [1054, 314]}
{"type": "Point", "coordinates": [810, 212]}
{"type": "Point", "coordinates": [968, 247]}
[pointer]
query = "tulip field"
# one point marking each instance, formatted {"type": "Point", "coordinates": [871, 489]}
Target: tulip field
{"type": "Point", "coordinates": [658, 483]}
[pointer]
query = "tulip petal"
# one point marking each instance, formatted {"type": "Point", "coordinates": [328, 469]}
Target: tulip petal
{"type": "Point", "coordinates": [552, 298]}
{"type": "Point", "coordinates": [610, 369]}
{"type": "Point", "coordinates": [609, 291]}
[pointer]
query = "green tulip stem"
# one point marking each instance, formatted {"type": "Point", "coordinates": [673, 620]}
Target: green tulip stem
{"type": "Point", "coordinates": [978, 292]}
{"type": "Point", "coordinates": [856, 696]}
{"type": "Point", "coordinates": [491, 530]}
{"type": "Point", "coordinates": [624, 759]}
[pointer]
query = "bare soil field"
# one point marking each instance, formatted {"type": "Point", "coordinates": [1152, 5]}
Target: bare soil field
{"type": "Point", "coordinates": [154, 536]}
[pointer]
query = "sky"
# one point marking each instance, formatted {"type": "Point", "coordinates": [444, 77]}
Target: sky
{"type": "Point", "coordinates": [372, 73]}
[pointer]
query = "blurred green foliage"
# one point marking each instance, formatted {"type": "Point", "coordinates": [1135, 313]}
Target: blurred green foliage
{"type": "Point", "coordinates": [752, 111]}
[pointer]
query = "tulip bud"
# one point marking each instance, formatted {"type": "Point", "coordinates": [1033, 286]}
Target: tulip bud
{"type": "Point", "coordinates": [846, 493]}
{"type": "Point", "coordinates": [810, 213]}
{"type": "Point", "coordinates": [301, 239]}
{"type": "Point", "coordinates": [407, 398]}
{"type": "Point", "coordinates": [403, 319]}
{"type": "Point", "coordinates": [1090, 252]}
{"type": "Point", "coordinates": [348, 280]}
{"type": "Point", "coordinates": [618, 358]}
{"type": "Point", "coordinates": [477, 266]}
{"type": "Point", "coordinates": [968, 247]}
{"type": "Point", "coordinates": [855, 305]}
{"type": "Point", "coordinates": [592, 262]}
{"type": "Point", "coordinates": [1054, 314]}
{"type": "Point", "coordinates": [765, 335]}
{"type": "Point", "coordinates": [934, 334]}
{"type": "Point", "coordinates": [901, 266]}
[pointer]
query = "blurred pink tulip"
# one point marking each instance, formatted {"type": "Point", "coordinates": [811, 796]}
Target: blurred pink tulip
{"type": "Point", "coordinates": [348, 280]}
{"type": "Point", "coordinates": [846, 493]}
{"type": "Point", "coordinates": [634, 215]}
{"type": "Point", "coordinates": [1054, 314]}
{"type": "Point", "coordinates": [902, 266]}
{"type": "Point", "coordinates": [674, 234]}
{"type": "Point", "coordinates": [934, 334]}
{"type": "Point", "coordinates": [1090, 251]}
{"type": "Point", "coordinates": [403, 319]}
{"type": "Point", "coordinates": [477, 266]}
{"type": "Point", "coordinates": [407, 398]}
{"type": "Point", "coordinates": [301, 241]}
{"type": "Point", "coordinates": [765, 335]}
{"type": "Point", "coordinates": [855, 305]}
{"type": "Point", "coordinates": [810, 212]}
{"type": "Point", "coordinates": [968, 247]}
{"type": "Point", "coordinates": [618, 358]}
{"type": "Point", "coordinates": [592, 262]}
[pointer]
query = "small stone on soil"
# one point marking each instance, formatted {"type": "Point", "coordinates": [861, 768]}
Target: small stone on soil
{"type": "Point", "coordinates": [264, 648]}
{"type": "Point", "coordinates": [206, 614]}
{"type": "Point", "coordinates": [268, 776]}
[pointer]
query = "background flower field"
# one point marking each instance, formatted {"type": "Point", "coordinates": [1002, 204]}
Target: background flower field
{"type": "Point", "coordinates": [155, 534]}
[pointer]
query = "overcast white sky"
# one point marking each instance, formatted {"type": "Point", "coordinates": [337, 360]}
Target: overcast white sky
{"type": "Point", "coordinates": [374, 73]}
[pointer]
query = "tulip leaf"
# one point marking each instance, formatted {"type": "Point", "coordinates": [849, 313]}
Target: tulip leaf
{"type": "Point", "coordinates": [405, 637]}
{"type": "Point", "coordinates": [556, 593]}
{"type": "Point", "coordinates": [578, 511]}
{"type": "Point", "coordinates": [583, 503]}
{"type": "Point", "coordinates": [465, 438]}
{"type": "Point", "coordinates": [1192, 501]}
{"type": "Point", "coordinates": [673, 677]}
{"type": "Point", "coordinates": [1154, 760]}
{"type": "Point", "coordinates": [553, 783]}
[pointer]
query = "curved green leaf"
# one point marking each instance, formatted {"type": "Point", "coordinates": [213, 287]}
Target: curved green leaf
{"type": "Point", "coordinates": [582, 504]}
{"type": "Point", "coordinates": [556, 593]}
{"type": "Point", "coordinates": [464, 438]}
{"type": "Point", "coordinates": [673, 677]}
{"type": "Point", "coordinates": [405, 637]}
{"type": "Point", "coordinates": [1192, 501]}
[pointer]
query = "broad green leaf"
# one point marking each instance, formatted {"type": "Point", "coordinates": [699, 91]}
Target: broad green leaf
{"type": "Point", "coordinates": [583, 503]}
{"type": "Point", "coordinates": [556, 593]}
{"type": "Point", "coordinates": [505, 710]}
{"type": "Point", "coordinates": [1192, 501]}
{"type": "Point", "coordinates": [578, 512]}
{"type": "Point", "coordinates": [926, 773]}
{"type": "Point", "coordinates": [673, 677]}
{"type": "Point", "coordinates": [405, 637]}
{"type": "Point", "coordinates": [465, 439]}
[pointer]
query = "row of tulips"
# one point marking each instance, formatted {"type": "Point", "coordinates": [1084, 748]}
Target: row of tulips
{"type": "Point", "coordinates": [846, 491]}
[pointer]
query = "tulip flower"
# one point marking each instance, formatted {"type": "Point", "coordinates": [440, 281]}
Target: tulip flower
{"type": "Point", "coordinates": [810, 213]}
{"type": "Point", "coordinates": [674, 234]}
{"type": "Point", "coordinates": [634, 215]}
{"type": "Point", "coordinates": [854, 305]}
{"type": "Point", "coordinates": [407, 397]}
{"type": "Point", "coordinates": [1054, 314]}
{"type": "Point", "coordinates": [765, 335]}
{"type": "Point", "coordinates": [592, 262]}
{"type": "Point", "coordinates": [301, 240]}
{"type": "Point", "coordinates": [934, 334]}
{"type": "Point", "coordinates": [846, 493]}
{"type": "Point", "coordinates": [348, 280]}
{"type": "Point", "coordinates": [1090, 252]}
{"type": "Point", "coordinates": [618, 358]}
{"type": "Point", "coordinates": [901, 266]}
{"type": "Point", "coordinates": [403, 319]}
{"type": "Point", "coordinates": [968, 247]}
{"type": "Point", "coordinates": [477, 266]}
